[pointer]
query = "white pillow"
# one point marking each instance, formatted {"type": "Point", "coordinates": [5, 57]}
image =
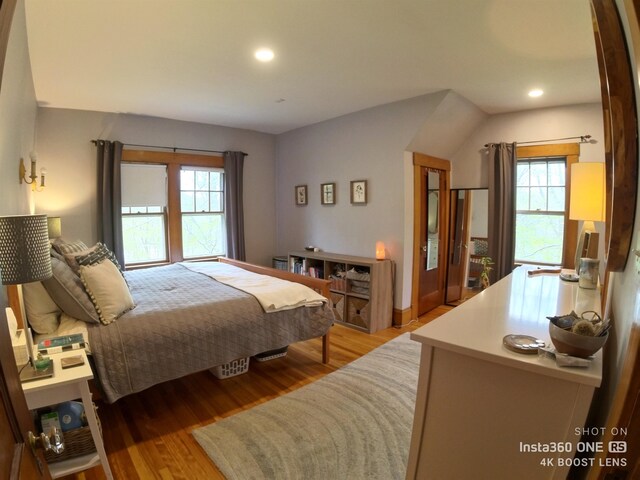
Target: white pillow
{"type": "Point", "coordinates": [43, 314]}
{"type": "Point", "coordinates": [107, 289]}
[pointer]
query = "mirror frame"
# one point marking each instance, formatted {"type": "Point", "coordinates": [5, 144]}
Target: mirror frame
{"type": "Point", "coordinates": [620, 132]}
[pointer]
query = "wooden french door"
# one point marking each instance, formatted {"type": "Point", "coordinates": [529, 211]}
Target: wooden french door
{"type": "Point", "coordinates": [431, 208]}
{"type": "Point", "coordinates": [459, 207]}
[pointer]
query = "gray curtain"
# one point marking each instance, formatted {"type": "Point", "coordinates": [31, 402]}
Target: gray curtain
{"type": "Point", "coordinates": [233, 166]}
{"type": "Point", "coordinates": [110, 197]}
{"type": "Point", "coordinates": [502, 217]}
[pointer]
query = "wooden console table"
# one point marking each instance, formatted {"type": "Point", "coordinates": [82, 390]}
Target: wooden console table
{"type": "Point", "coordinates": [479, 404]}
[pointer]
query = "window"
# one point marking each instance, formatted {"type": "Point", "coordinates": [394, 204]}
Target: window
{"type": "Point", "coordinates": [201, 205]}
{"type": "Point", "coordinates": [540, 210]}
{"type": "Point", "coordinates": [144, 201]}
{"type": "Point", "coordinates": [544, 233]}
{"type": "Point", "coordinates": [173, 206]}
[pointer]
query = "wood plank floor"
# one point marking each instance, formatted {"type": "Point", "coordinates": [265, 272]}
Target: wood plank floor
{"type": "Point", "coordinates": [148, 435]}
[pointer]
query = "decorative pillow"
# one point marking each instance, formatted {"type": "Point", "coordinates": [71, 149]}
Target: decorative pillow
{"type": "Point", "coordinates": [55, 254]}
{"type": "Point", "coordinates": [42, 312]}
{"type": "Point", "coordinates": [68, 293]}
{"type": "Point", "coordinates": [481, 247]}
{"type": "Point", "coordinates": [72, 258]}
{"type": "Point", "coordinates": [107, 289]}
{"type": "Point", "coordinates": [62, 246]}
{"type": "Point", "coordinates": [98, 253]}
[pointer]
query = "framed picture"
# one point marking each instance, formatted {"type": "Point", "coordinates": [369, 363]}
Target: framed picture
{"type": "Point", "coordinates": [328, 193]}
{"type": "Point", "coordinates": [359, 192]}
{"type": "Point", "coordinates": [301, 194]}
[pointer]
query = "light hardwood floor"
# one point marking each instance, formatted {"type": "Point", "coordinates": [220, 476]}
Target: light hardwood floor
{"type": "Point", "coordinates": [148, 435]}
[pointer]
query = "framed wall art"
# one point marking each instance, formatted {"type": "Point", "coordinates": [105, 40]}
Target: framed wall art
{"type": "Point", "coordinates": [328, 194]}
{"type": "Point", "coordinates": [359, 192]}
{"type": "Point", "coordinates": [301, 194]}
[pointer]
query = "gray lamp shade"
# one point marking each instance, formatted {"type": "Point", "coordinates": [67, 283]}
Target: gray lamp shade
{"type": "Point", "coordinates": [54, 226]}
{"type": "Point", "coordinates": [24, 249]}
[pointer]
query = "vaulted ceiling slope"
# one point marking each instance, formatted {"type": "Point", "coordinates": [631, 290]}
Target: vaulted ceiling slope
{"type": "Point", "coordinates": [193, 59]}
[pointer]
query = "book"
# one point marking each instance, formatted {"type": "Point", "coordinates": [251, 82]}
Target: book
{"type": "Point", "coordinates": [61, 344]}
{"type": "Point", "coordinates": [74, 361]}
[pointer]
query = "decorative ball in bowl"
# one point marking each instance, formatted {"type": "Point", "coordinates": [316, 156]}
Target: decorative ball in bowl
{"type": "Point", "coordinates": [574, 344]}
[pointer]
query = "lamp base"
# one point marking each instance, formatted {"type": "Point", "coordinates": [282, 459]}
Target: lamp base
{"type": "Point", "coordinates": [28, 373]}
{"type": "Point", "coordinates": [587, 244]}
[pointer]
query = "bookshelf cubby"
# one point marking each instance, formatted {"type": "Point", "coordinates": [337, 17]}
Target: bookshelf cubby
{"type": "Point", "coordinates": [361, 287]}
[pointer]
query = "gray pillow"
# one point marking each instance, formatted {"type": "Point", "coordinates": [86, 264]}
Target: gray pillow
{"type": "Point", "coordinates": [66, 289]}
{"type": "Point", "coordinates": [62, 246]}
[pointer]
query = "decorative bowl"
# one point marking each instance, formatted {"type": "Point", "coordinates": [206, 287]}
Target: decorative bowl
{"type": "Point", "coordinates": [574, 344]}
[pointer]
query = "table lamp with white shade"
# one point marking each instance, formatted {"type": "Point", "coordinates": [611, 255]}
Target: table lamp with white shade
{"type": "Point", "coordinates": [587, 203]}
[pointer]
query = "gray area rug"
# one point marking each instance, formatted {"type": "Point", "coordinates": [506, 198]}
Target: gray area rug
{"type": "Point", "coordinates": [354, 423]}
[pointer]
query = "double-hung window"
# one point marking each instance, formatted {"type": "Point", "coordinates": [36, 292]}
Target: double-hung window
{"type": "Point", "coordinates": [144, 219]}
{"type": "Point", "coordinates": [540, 210]}
{"type": "Point", "coordinates": [544, 233]}
{"type": "Point", "coordinates": [172, 207]}
{"type": "Point", "coordinates": [202, 208]}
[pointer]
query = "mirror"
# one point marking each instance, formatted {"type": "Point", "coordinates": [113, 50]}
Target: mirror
{"type": "Point", "coordinates": [468, 233]}
{"type": "Point", "coordinates": [620, 132]}
{"type": "Point", "coordinates": [433, 204]}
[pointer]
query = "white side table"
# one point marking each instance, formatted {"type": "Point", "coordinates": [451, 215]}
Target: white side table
{"type": "Point", "coordinates": [69, 384]}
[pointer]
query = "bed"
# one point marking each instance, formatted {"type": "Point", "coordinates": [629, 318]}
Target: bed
{"type": "Point", "coordinates": [184, 321]}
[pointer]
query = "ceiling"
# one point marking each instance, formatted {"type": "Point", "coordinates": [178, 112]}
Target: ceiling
{"type": "Point", "coordinates": [193, 59]}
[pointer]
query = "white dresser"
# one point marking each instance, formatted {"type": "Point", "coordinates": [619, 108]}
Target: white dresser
{"type": "Point", "coordinates": [482, 408]}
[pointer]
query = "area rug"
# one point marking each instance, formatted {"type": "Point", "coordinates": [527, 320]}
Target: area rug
{"type": "Point", "coordinates": [354, 423]}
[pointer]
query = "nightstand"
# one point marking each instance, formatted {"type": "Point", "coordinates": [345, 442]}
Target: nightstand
{"type": "Point", "coordinates": [65, 385]}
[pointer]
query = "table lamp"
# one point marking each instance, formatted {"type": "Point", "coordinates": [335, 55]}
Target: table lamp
{"type": "Point", "coordinates": [587, 203]}
{"type": "Point", "coordinates": [25, 257]}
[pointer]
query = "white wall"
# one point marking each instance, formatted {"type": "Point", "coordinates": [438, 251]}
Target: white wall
{"type": "Point", "coordinates": [368, 145]}
{"type": "Point", "coordinates": [17, 118]}
{"type": "Point", "coordinates": [469, 163]}
{"type": "Point", "coordinates": [64, 146]}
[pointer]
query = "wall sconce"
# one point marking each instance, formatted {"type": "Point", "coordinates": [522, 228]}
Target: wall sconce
{"type": "Point", "coordinates": [32, 175]}
{"type": "Point", "coordinates": [380, 253]}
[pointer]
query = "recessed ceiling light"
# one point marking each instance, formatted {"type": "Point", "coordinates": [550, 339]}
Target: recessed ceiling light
{"type": "Point", "coordinates": [264, 54]}
{"type": "Point", "coordinates": [536, 92]}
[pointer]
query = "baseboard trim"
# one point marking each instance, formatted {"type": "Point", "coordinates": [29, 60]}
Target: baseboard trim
{"type": "Point", "coordinates": [401, 317]}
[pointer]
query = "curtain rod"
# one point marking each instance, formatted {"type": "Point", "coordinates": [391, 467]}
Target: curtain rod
{"type": "Point", "coordinates": [583, 139]}
{"type": "Point", "coordinates": [171, 148]}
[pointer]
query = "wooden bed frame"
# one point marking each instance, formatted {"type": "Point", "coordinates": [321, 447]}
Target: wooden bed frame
{"type": "Point", "coordinates": [318, 284]}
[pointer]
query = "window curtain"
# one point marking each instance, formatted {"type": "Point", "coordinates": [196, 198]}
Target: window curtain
{"type": "Point", "coordinates": [109, 155]}
{"type": "Point", "coordinates": [502, 217]}
{"type": "Point", "coordinates": [234, 210]}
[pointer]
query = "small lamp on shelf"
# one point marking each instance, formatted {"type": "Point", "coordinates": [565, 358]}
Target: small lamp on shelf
{"type": "Point", "coordinates": [380, 253]}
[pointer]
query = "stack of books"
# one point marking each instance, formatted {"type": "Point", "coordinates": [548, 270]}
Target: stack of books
{"type": "Point", "coordinates": [61, 344]}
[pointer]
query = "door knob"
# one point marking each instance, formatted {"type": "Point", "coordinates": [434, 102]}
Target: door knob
{"type": "Point", "coordinates": [424, 248]}
{"type": "Point", "coordinates": [53, 442]}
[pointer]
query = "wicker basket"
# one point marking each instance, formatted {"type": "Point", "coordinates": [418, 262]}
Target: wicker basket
{"type": "Point", "coordinates": [77, 442]}
{"type": "Point", "coordinates": [231, 369]}
{"type": "Point", "coordinates": [358, 312]}
{"type": "Point", "coordinates": [337, 301]}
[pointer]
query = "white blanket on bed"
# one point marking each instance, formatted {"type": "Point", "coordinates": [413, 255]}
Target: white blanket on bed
{"type": "Point", "coordinates": [273, 294]}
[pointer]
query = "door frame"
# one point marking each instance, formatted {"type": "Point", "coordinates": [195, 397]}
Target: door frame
{"type": "Point", "coordinates": [421, 160]}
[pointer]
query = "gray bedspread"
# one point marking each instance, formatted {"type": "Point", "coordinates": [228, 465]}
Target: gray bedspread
{"type": "Point", "coordinates": [185, 322]}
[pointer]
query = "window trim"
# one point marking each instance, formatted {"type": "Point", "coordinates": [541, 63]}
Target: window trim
{"type": "Point", "coordinates": [570, 151]}
{"type": "Point", "coordinates": [174, 162]}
